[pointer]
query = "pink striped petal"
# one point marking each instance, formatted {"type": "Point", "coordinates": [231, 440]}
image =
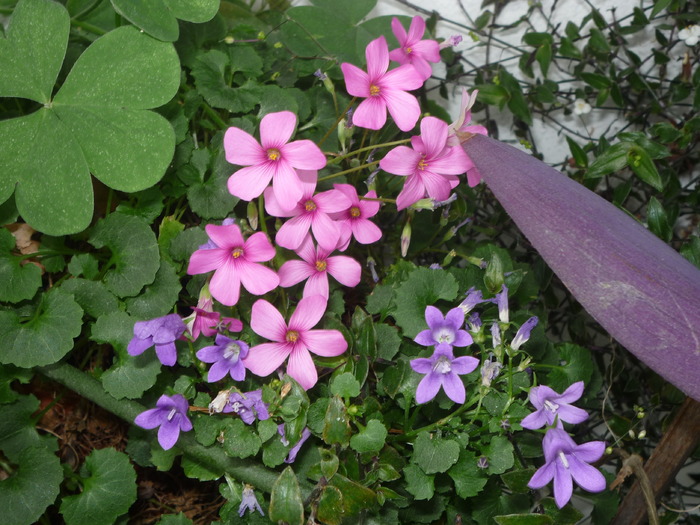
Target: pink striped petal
{"type": "Point", "coordinates": [273, 207]}
{"type": "Point", "coordinates": [401, 160]}
{"type": "Point", "coordinates": [413, 191]}
{"type": "Point", "coordinates": [332, 201]}
{"type": "Point", "coordinates": [326, 232]}
{"type": "Point", "coordinates": [267, 322]}
{"type": "Point", "coordinates": [277, 128]}
{"type": "Point", "coordinates": [256, 278]}
{"type": "Point", "coordinates": [293, 272]}
{"type": "Point", "coordinates": [416, 30]}
{"type": "Point", "coordinates": [403, 108]}
{"type": "Point", "coordinates": [258, 248]}
{"type": "Point", "coordinates": [326, 343]}
{"type": "Point", "coordinates": [294, 231]}
{"type": "Point", "coordinates": [356, 80]}
{"type": "Point", "coordinates": [403, 78]}
{"type": "Point", "coordinates": [242, 149]}
{"type": "Point", "coordinates": [248, 183]}
{"type": "Point", "coordinates": [371, 113]}
{"type": "Point", "coordinates": [433, 133]}
{"type": "Point", "coordinates": [365, 231]}
{"type": "Point", "coordinates": [304, 154]}
{"type": "Point", "coordinates": [225, 285]}
{"type": "Point", "coordinates": [225, 237]}
{"type": "Point", "coordinates": [264, 359]}
{"type": "Point", "coordinates": [428, 50]}
{"type": "Point", "coordinates": [436, 186]}
{"type": "Point", "coordinates": [399, 31]}
{"type": "Point", "coordinates": [203, 261]}
{"type": "Point", "coordinates": [286, 185]}
{"type": "Point", "coordinates": [377, 55]}
{"type": "Point", "coordinates": [307, 250]}
{"type": "Point", "coordinates": [345, 270]}
{"type": "Point", "coordinates": [317, 285]}
{"type": "Point", "coordinates": [301, 367]}
{"type": "Point", "coordinates": [308, 313]}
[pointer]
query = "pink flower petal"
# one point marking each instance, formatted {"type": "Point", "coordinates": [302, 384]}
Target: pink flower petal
{"type": "Point", "coordinates": [326, 343]}
{"type": "Point", "coordinates": [433, 133]}
{"type": "Point", "coordinates": [304, 154]}
{"type": "Point", "coordinates": [294, 231]}
{"type": "Point", "coordinates": [256, 278]}
{"type": "Point", "coordinates": [413, 191]}
{"type": "Point", "coordinates": [273, 207]}
{"type": "Point", "coordinates": [370, 113]}
{"type": "Point", "coordinates": [242, 149]}
{"type": "Point", "coordinates": [326, 232]}
{"type": "Point", "coordinates": [307, 251]}
{"type": "Point", "coordinates": [365, 231]}
{"type": "Point", "coordinates": [332, 201]}
{"type": "Point", "coordinates": [225, 285]}
{"type": "Point", "coordinates": [398, 55]}
{"type": "Point", "coordinates": [317, 285]}
{"type": "Point", "coordinates": [203, 261]}
{"type": "Point", "coordinates": [276, 129]}
{"type": "Point", "coordinates": [404, 108]}
{"type": "Point", "coordinates": [345, 270]}
{"type": "Point", "coordinates": [258, 248]}
{"type": "Point", "coordinates": [377, 55]}
{"type": "Point", "coordinates": [225, 237]}
{"type": "Point", "coordinates": [267, 322]}
{"type": "Point", "coordinates": [403, 78]}
{"type": "Point", "coordinates": [436, 186]}
{"type": "Point", "coordinates": [301, 367]}
{"type": "Point", "coordinates": [399, 31]}
{"type": "Point", "coordinates": [428, 50]}
{"type": "Point", "coordinates": [452, 162]}
{"type": "Point", "coordinates": [248, 183]}
{"type": "Point", "coordinates": [293, 272]}
{"type": "Point", "coordinates": [286, 185]}
{"type": "Point", "coordinates": [308, 313]}
{"type": "Point", "coordinates": [264, 359]}
{"type": "Point", "coordinates": [416, 30]}
{"type": "Point", "coordinates": [401, 160]}
{"type": "Point", "coordinates": [356, 80]}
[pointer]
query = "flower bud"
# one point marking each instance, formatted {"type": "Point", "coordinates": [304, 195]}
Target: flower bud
{"type": "Point", "coordinates": [642, 434]}
{"type": "Point", "coordinates": [253, 215]}
{"type": "Point", "coordinates": [405, 239]}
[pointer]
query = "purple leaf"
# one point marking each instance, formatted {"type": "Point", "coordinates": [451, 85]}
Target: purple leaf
{"type": "Point", "coordinates": [638, 288]}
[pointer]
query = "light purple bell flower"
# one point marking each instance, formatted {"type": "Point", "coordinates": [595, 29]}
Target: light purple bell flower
{"type": "Point", "coordinates": [170, 414]}
{"type": "Point", "coordinates": [523, 334]}
{"type": "Point", "coordinates": [248, 406]}
{"type": "Point", "coordinates": [161, 332]}
{"type": "Point", "coordinates": [442, 369]}
{"type": "Point", "coordinates": [444, 331]}
{"type": "Point", "coordinates": [565, 462]}
{"type": "Point", "coordinates": [249, 502]}
{"type": "Point", "coordinates": [226, 355]}
{"type": "Point", "coordinates": [292, 455]}
{"type": "Point", "coordinates": [551, 405]}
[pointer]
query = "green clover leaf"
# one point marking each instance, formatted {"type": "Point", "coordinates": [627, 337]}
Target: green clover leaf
{"type": "Point", "coordinates": [97, 122]}
{"type": "Point", "coordinates": [158, 18]}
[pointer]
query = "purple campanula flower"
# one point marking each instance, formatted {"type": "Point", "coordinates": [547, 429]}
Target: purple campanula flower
{"type": "Point", "coordinates": [249, 502]}
{"type": "Point", "coordinates": [550, 405]}
{"type": "Point", "coordinates": [161, 332]}
{"type": "Point", "coordinates": [490, 370]}
{"type": "Point", "coordinates": [523, 334]}
{"type": "Point", "coordinates": [248, 406]}
{"type": "Point", "coordinates": [495, 334]}
{"type": "Point", "coordinates": [226, 355]}
{"type": "Point", "coordinates": [473, 298]}
{"type": "Point", "coordinates": [474, 322]}
{"type": "Point", "coordinates": [292, 455]}
{"type": "Point", "coordinates": [444, 330]}
{"type": "Point", "coordinates": [564, 461]}
{"type": "Point", "coordinates": [442, 369]}
{"type": "Point", "coordinates": [483, 462]}
{"type": "Point", "coordinates": [170, 415]}
{"type": "Point", "coordinates": [501, 300]}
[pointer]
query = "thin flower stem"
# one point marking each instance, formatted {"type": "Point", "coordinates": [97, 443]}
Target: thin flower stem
{"type": "Point", "coordinates": [335, 160]}
{"type": "Point", "coordinates": [214, 116]}
{"type": "Point", "coordinates": [335, 124]}
{"type": "Point", "coordinates": [261, 214]}
{"type": "Point", "coordinates": [351, 170]}
{"type": "Point", "coordinates": [378, 199]}
{"type": "Point", "coordinates": [410, 435]}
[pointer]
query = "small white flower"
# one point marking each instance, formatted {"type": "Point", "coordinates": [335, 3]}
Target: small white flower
{"type": "Point", "coordinates": [690, 35]}
{"type": "Point", "coordinates": [581, 107]}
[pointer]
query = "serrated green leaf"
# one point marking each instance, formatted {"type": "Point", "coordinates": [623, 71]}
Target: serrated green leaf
{"type": "Point", "coordinates": [29, 66]}
{"type": "Point", "coordinates": [84, 264]}
{"type": "Point", "coordinates": [25, 495]}
{"type": "Point", "coordinates": [92, 296]}
{"type": "Point", "coordinates": [575, 364]}
{"type": "Point", "coordinates": [345, 385]}
{"type": "Point", "coordinates": [371, 439]}
{"type": "Point", "coordinates": [135, 255]}
{"type": "Point", "coordinates": [468, 478]}
{"type": "Point", "coordinates": [239, 439]}
{"type": "Point", "coordinates": [46, 336]}
{"type": "Point", "coordinates": [17, 281]}
{"type": "Point", "coordinates": [130, 376]}
{"type": "Point", "coordinates": [17, 429]}
{"type": "Point", "coordinates": [418, 483]}
{"type": "Point", "coordinates": [500, 455]}
{"type": "Point", "coordinates": [285, 499]}
{"type": "Point", "coordinates": [107, 493]}
{"type": "Point", "coordinates": [157, 298]}
{"type": "Point", "coordinates": [198, 470]}
{"type": "Point", "coordinates": [434, 454]}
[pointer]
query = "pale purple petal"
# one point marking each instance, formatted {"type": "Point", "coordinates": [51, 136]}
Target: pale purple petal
{"type": "Point", "coordinates": [563, 485]}
{"type": "Point", "coordinates": [544, 475]}
{"type": "Point", "coordinates": [138, 346]}
{"type": "Point", "coordinates": [151, 418]}
{"type": "Point", "coordinates": [464, 365]}
{"type": "Point", "coordinates": [422, 365]}
{"type": "Point", "coordinates": [425, 338]}
{"type": "Point", "coordinates": [454, 388]}
{"type": "Point", "coordinates": [586, 476]}
{"type": "Point", "coordinates": [571, 414]}
{"type": "Point", "coordinates": [590, 452]}
{"type": "Point", "coordinates": [434, 317]}
{"type": "Point", "coordinates": [218, 371]}
{"type": "Point", "coordinates": [571, 394]}
{"type": "Point", "coordinates": [167, 354]}
{"type": "Point", "coordinates": [168, 434]}
{"type": "Point", "coordinates": [428, 387]}
{"type": "Point", "coordinates": [536, 420]}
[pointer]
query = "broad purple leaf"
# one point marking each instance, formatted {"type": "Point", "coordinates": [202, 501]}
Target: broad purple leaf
{"type": "Point", "coordinates": [638, 288]}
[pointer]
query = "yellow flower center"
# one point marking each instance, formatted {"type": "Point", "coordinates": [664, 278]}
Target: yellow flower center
{"type": "Point", "coordinates": [292, 336]}
{"type": "Point", "coordinates": [309, 205]}
{"type": "Point", "coordinates": [409, 50]}
{"type": "Point", "coordinates": [354, 211]}
{"type": "Point", "coordinates": [321, 266]}
{"type": "Point", "coordinates": [237, 253]}
{"type": "Point", "coordinates": [273, 154]}
{"type": "Point", "coordinates": [422, 165]}
{"type": "Point", "coordinates": [373, 90]}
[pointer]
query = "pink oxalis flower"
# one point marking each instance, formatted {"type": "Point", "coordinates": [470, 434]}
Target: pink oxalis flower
{"type": "Point", "coordinates": [383, 89]}
{"type": "Point", "coordinates": [430, 165]}
{"type": "Point", "coordinates": [310, 212]}
{"type": "Point", "coordinates": [204, 320]}
{"type": "Point", "coordinates": [273, 158]}
{"type": "Point", "coordinates": [294, 340]}
{"type": "Point", "coordinates": [315, 266]}
{"type": "Point", "coordinates": [463, 125]}
{"type": "Point", "coordinates": [419, 53]}
{"type": "Point", "coordinates": [235, 261]}
{"type": "Point", "coordinates": [354, 221]}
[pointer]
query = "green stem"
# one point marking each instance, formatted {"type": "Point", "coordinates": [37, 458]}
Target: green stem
{"type": "Point", "coordinates": [245, 470]}
{"type": "Point", "coordinates": [335, 124]}
{"type": "Point", "coordinates": [351, 170]}
{"type": "Point", "coordinates": [428, 428]}
{"type": "Point", "coordinates": [88, 27]}
{"type": "Point", "coordinates": [335, 160]}
{"type": "Point", "coordinates": [214, 116]}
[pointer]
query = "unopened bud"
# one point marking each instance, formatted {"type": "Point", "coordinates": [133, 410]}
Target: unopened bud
{"type": "Point", "coordinates": [631, 434]}
{"type": "Point", "coordinates": [371, 265]}
{"type": "Point", "coordinates": [405, 239]}
{"type": "Point", "coordinates": [424, 204]}
{"type": "Point", "coordinates": [448, 258]}
{"type": "Point", "coordinates": [285, 390]}
{"type": "Point", "coordinates": [219, 402]}
{"type": "Point", "coordinates": [253, 215]}
{"type": "Point", "coordinates": [229, 40]}
{"type": "Point", "coordinates": [608, 451]}
{"type": "Point", "coordinates": [642, 434]}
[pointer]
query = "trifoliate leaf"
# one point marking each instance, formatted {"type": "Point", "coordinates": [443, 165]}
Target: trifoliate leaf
{"type": "Point", "coordinates": [96, 123]}
{"type": "Point", "coordinates": [158, 18]}
{"type": "Point", "coordinates": [130, 376]}
{"type": "Point", "coordinates": [135, 256]}
{"type": "Point", "coordinates": [371, 439]}
{"type": "Point", "coordinates": [434, 454]}
{"type": "Point", "coordinates": [25, 495]}
{"type": "Point", "coordinates": [44, 337]}
{"type": "Point", "coordinates": [422, 288]}
{"type": "Point", "coordinates": [158, 298]}
{"type": "Point", "coordinates": [17, 281]}
{"type": "Point", "coordinates": [107, 493]}
{"type": "Point", "coordinates": [92, 296]}
{"type": "Point", "coordinates": [285, 499]}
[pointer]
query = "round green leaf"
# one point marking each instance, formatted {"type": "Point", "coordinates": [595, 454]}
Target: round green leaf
{"type": "Point", "coordinates": [434, 454]}
{"type": "Point", "coordinates": [29, 64]}
{"type": "Point", "coordinates": [25, 495]}
{"type": "Point", "coordinates": [371, 439]}
{"type": "Point", "coordinates": [197, 11]}
{"type": "Point", "coordinates": [135, 255]}
{"type": "Point", "coordinates": [107, 493]}
{"type": "Point", "coordinates": [46, 336]}
{"type": "Point", "coordinates": [151, 16]}
{"type": "Point", "coordinates": [17, 281]}
{"type": "Point", "coordinates": [157, 298]}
